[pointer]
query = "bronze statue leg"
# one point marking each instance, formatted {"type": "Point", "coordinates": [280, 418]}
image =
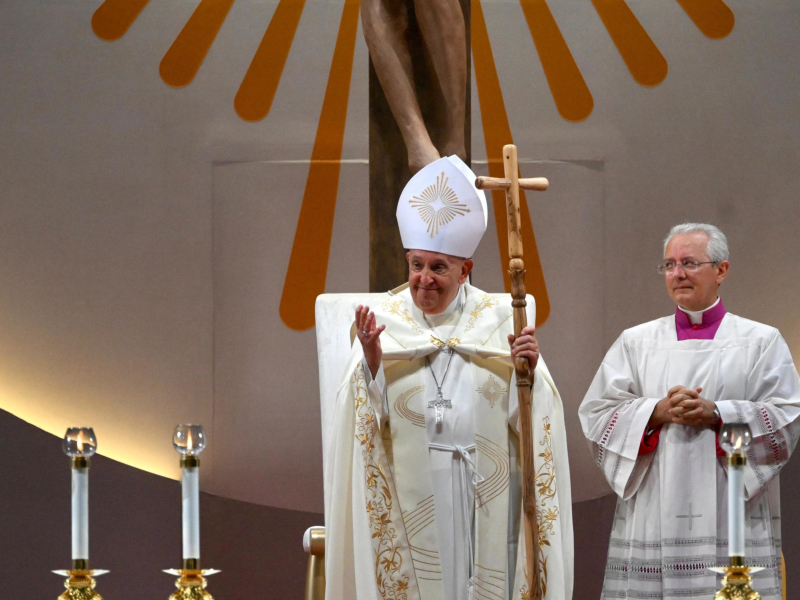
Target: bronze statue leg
{"type": "Point", "coordinates": [444, 31]}
{"type": "Point", "coordinates": [385, 23]}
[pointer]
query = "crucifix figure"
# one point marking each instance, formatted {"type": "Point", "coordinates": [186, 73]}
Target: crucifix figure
{"type": "Point", "coordinates": [443, 29]}
{"type": "Point", "coordinates": [524, 376]}
{"type": "Point", "coordinates": [419, 109]}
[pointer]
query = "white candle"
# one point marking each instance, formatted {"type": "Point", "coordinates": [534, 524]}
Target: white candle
{"type": "Point", "coordinates": [80, 514]}
{"type": "Point", "coordinates": [735, 510]}
{"type": "Point", "coordinates": [190, 487]}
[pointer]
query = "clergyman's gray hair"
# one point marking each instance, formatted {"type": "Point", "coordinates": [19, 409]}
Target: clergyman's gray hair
{"type": "Point", "coordinates": [717, 247]}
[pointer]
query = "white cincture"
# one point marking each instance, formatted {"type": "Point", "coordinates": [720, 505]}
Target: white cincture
{"type": "Point", "coordinates": [467, 468]}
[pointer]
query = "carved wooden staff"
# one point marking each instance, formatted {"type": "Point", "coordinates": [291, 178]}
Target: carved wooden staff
{"type": "Point", "coordinates": [511, 185]}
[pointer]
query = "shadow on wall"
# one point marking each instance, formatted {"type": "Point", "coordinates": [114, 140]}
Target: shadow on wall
{"type": "Point", "coordinates": [136, 520]}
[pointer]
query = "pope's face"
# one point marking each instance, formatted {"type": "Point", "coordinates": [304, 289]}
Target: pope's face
{"type": "Point", "coordinates": [693, 290]}
{"type": "Point", "coordinates": [433, 279]}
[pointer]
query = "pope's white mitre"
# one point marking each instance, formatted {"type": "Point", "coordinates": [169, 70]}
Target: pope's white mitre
{"type": "Point", "coordinates": [441, 210]}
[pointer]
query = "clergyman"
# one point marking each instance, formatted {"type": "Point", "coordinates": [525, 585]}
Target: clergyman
{"type": "Point", "coordinates": [652, 417]}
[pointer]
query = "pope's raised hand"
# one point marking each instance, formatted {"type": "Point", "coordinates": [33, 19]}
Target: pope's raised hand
{"type": "Point", "coordinates": [525, 346]}
{"type": "Point", "coordinates": [368, 333]}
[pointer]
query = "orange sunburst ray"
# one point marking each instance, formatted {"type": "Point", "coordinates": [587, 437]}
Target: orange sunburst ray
{"type": "Point", "coordinates": [257, 90]}
{"type": "Point", "coordinates": [308, 263]}
{"type": "Point", "coordinates": [712, 17]}
{"type": "Point", "coordinates": [497, 133]}
{"type": "Point", "coordinates": [187, 53]}
{"type": "Point", "coordinates": [572, 97]}
{"type": "Point", "coordinates": [114, 17]}
{"type": "Point", "coordinates": [642, 57]}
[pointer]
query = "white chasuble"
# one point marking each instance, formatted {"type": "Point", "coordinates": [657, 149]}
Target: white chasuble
{"type": "Point", "coordinates": [671, 521]}
{"type": "Point", "coordinates": [418, 510]}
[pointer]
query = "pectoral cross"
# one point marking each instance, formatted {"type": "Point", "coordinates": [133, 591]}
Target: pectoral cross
{"type": "Point", "coordinates": [440, 404]}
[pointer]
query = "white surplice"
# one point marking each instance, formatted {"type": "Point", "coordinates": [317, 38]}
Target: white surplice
{"type": "Point", "coordinates": [450, 493]}
{"type": "Point", "coordinates": [671, 517]}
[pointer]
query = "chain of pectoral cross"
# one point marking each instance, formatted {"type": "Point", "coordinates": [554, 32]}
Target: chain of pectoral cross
{"type": "Point", "coordinates": [440, 403]}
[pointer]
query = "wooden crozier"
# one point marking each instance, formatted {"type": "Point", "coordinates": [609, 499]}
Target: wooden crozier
{"type": "Point", "coordinates": [511, 185]}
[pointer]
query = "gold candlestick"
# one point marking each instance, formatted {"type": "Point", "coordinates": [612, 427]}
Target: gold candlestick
{"type": "Point", "coordinates": [191, 581]}
{"type": "Point", "coordinates": [80, 582]}
{"type": "Point", "coordinates": [737, 580]}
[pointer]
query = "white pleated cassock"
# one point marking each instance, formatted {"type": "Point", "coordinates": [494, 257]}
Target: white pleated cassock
{"type": "Point", "coordinates": [671, 520]}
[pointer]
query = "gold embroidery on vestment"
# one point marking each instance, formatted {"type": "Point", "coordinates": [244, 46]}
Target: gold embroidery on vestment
{"type": "Point", "coordinates": [391, 574]}
{"type": "Point", "coordinates": [492, 390]}
{"type": "Point", "coordinates": [546, 514]}
{"type": "Point", "coordinates": [402, 409]}
{"type": "Point", "coordinates": [496, 483]}
{"type": "Point", "coordinates": [451, 343]}
{"type": "Point", "coordinates": [486, 302]}
{"type": "Point", "coordinates": [394, 307]}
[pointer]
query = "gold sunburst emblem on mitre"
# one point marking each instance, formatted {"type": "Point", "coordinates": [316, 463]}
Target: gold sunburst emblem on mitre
{"type": "Point", "coordinates": [438, 204]}
{"type": "Point", "coordinates": [441, 210]}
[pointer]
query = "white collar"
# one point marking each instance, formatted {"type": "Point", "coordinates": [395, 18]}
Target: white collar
{"type": "Point", "coordinates": [696, 316]}
{"type": "Point", "coordinates": [444, 316]}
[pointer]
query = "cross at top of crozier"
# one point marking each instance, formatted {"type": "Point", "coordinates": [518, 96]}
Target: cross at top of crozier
{"type": "Point", "coordinates": [512, 184]}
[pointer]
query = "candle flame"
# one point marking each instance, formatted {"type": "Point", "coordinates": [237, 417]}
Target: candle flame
{"type": "Point", "coordinates": [738, 443]}
{"type": "Point", "coordinates": [189, 440]}
{"type": "Point", "coordinates": [80, 441]}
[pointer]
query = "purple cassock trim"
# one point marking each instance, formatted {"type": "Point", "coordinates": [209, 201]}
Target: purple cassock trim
{"type": "Point", "coordinates": [702, 331]}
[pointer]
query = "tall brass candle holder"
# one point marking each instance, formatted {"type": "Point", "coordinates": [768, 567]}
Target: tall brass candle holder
{"type": "Point", "coordinates": [735, 438]}
{"type": "Point", "coordinates": [80, 444]}
{"type": "Point", "coordinates": [189, 441]}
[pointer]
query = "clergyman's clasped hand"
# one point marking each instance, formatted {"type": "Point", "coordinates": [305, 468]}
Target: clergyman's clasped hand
{"type": "Point", "coordinates": [684, 406]}
{"type": "Point", "coordinates": [525, 346]}
{"type": "Point", "coordinates": [368, 333]}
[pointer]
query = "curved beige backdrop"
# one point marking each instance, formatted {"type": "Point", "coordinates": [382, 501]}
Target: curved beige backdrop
{"type": "Point", "coordinates": [145, 230]}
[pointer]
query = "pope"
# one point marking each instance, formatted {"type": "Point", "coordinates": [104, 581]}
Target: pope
{"type": "Point", "coordinates": [423, 491]}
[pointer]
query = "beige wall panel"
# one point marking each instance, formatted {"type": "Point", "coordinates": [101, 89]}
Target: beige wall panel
{"type": "Point", "coordinates": [268, 441]}
{"type": "Point", "coordinates": [105, 279]}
